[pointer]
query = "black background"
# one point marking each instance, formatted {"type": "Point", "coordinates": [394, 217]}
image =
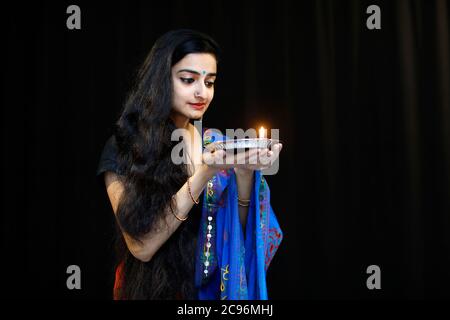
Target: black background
{"type": "Point", "coordinates": [364, 116]}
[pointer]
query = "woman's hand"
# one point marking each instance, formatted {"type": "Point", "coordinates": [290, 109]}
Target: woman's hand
{"type": "Point", "coordinates": [260, 159]}
{"type": "Point", "coordinates": [243, 162]}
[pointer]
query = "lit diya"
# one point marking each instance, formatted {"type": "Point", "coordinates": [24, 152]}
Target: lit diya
{"type": "Point", "coordinates": [262, 142]}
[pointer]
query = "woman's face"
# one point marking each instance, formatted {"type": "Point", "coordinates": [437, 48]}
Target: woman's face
{"type": "Point", "coordinates": [193, 85]}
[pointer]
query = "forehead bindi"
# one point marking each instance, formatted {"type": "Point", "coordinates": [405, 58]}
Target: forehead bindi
{"type": "Point", "coordinates": [198, 63]}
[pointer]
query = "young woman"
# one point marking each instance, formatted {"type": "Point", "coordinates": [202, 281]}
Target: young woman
{"type": "Point", "coordinates": [171, 246]}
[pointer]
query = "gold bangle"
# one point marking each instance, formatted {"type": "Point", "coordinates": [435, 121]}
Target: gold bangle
{"type": "Point", "coordinates": [244, 202]}
{"type": "Point", "coordinates": [180, 219]}
{"type": "Point", "coordinates": [243, 205]}
{"type": "Point", "coordinates": [190, 193]}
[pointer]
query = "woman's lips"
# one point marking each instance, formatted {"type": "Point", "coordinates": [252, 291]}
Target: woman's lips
{"type": "Point", "coordinates": [197, 106]}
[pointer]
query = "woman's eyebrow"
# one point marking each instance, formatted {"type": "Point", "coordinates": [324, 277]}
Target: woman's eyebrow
{"type": "Point", "coordinates": [196, 72]}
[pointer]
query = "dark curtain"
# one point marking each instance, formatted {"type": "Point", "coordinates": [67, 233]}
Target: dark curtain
{"type": "Point", "coordinates": [364, 115]}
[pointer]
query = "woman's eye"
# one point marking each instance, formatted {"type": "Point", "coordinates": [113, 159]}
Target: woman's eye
{"type": "Point", "coordinates": [209, 84]}
{"type": "Point", "coordinates": [187, 80]}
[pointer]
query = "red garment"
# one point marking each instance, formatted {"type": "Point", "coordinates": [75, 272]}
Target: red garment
{"type": "Point", "coordinates": [118, 282]}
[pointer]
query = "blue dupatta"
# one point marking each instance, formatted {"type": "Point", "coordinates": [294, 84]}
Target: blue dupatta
{"type": "Point", "coordinates": [229, 266]}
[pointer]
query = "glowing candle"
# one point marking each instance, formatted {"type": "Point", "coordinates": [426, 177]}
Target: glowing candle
{"type": "Point", "coordinates": [262, 132]}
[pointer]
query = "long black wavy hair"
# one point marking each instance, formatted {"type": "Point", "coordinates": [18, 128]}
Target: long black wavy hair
{"type": "Point", "coordinates": [150, 178]}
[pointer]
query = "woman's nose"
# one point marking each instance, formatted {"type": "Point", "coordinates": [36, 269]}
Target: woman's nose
{"type": "Point", "coordinates": [200, 92]}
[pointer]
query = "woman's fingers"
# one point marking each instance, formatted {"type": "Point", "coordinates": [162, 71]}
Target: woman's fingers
{"type": "Point", "coordinates": [254, 156]}
{"type": "Point", "coordinates": [273, 154]}
{"type": "Point", "coordinates": [255, 159]}
{"type": "Point", "coordinates": [267, 157]}
{"type": "Point", "coordinates": [214, 158]}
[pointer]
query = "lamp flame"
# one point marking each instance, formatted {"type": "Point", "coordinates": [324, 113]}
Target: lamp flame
{"type": "Point", "coordinates": [262, 132]}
